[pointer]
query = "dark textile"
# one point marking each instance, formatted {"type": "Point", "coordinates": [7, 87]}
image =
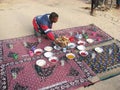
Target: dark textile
{"type": "Point", "coordinates": [118, 2]}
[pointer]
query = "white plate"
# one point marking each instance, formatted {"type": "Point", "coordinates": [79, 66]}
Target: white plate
{"type": "Point", "coordinates": [38, 51]}
{"type": "Point", "coordinates": [83, 53]}
{"type": "Point", "coordinates": [41, 62]}
{"type": "Point", "coordinates": [71, 45]}
{"type": "Point", "coordinates": [48, 48]}
{"type": "Point", "coordinates": [81, 42]}
{"type": "Point", "coordinates": [99, 50]}
{"type": "Point", "coordinates": [53, 59]}
{"type": "Point", "coordinates": [81, 47]}
{"type": "Point", "coordinates": [89, 40]}
{"type": "Point", "coordinates": [48, 54]}
{"type": "Point", "coordinates": [70, 55]}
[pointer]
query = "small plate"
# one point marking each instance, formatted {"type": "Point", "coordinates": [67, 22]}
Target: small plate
{"type": "Point", "coordinates": [80, 42]}
{"type": "Point", "coordinates": [38, 51]}
{"type": "Point", "coordinates": [53, 59]}
{"type": "Point", "coordinates": [71, 45]}
{"type": "Point", "coordinates": [89, 40]}
{"type": "Point", "coordinates": [70, 56]}
{"type": "Point", "coordinates": [81, 47]}
{"type": "Point", "coordinates": [83, 53]}
{"type": "Point", "coordinates": [99, 49]}
{"type": "Point", "coordinates": [41, 62]}
{"type": "Point", "coordinates": [48, 54]}
{"type": "Point", "coordinates": [48, 48]}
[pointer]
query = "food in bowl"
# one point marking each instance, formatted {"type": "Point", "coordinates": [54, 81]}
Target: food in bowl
{"type": "Point", "coordinates": [41, 62]}
{"type": "Point", "coordinates": [38, 51]}
{"type": "Point", "coordinates": [70, 55]}
{"type": "Point", "coordinates": [62, 41]}
{"type": "Point", "coordinates": [53, 59]}
{"type": "Point", "coordinates": [80, 42]}
{"type": "Point", "coordinates": [83, 53]}
{"type": "Point", "coordinates": [81, 47]}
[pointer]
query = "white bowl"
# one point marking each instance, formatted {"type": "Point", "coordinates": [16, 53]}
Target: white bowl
{"type": "Point", "coordinates": [53, 59]}
{"type": "Point", "coordinates": [48, 54]}
{"type": "Point", "coordinates": [70, 56]}
{"type": "Point", "coordinates": [99, 49]}
{"type": "Point", "coordinates": [71, 45]}
{"type": "Point", "coordinates": [83, 53]}
{"type": "Point", "coordinates": [89, 40]}
{"type": "Point", "coordinates": [81, 47]}
{"type": "Point", "coordinates": [41, 62]}
{"type": "Point", "coordinates": [48, 48]}
{"type": "Point", "coordinates": [38, 51]}
{"type": "Point", "coordinates": [80, 42]}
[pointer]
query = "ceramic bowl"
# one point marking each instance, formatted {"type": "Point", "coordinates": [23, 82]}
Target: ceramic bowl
{"type": "Point", "coordinates": [38, 51]}
{"type": "Point", "coordinates": [70, 56]}
{"type": "Point", "coordinates": [48, 48]}
{"type": "Point", "coordinates": [41, 62]}
{"type": "Point", "coordinates": [99, 49]}
{"type": "Point", "coordinates": [83, 53]}
{"type": "Point", "coordinates": [81, 47]}
{"type": "Point", "coordinates": [53, 59]}
{"type": "Point", "coordinates": [48, 54]}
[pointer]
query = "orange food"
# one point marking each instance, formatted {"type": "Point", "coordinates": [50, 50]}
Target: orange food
{"type": "Point", "coordinates": [70, 56]}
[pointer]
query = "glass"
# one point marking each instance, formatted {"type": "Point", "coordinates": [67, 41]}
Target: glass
{"type": "Point", "coordinates": [25, 44]}
{"type": "Point", "coordinates": [110, 50]}
{"type": "Point", "coordinates": [93, 55]}
{"type": "Point", "coordinates": [39, 40]}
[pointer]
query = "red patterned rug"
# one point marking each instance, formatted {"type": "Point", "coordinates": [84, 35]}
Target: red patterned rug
{"type": "Point", "coordinates": [18, 70]}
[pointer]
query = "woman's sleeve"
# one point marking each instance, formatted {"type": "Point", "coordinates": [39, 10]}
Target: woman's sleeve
{"type": "Point", "coordinates": [50, 35]}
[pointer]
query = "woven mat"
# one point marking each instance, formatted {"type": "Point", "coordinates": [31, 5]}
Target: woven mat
{"type": "Point", "coordinates": [107, 63]}
{"type": "Point", "coordinates": [22, 74]}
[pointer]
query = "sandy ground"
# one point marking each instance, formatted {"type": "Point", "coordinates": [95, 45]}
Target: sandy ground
{"type": "Point", "coordinates": [16, 21]}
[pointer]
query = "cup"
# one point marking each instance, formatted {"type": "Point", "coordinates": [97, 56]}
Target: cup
{"type": "Point", "coordinates": [31, 53]}
{"type": "Point", "coordinates": [39, 40]}
{"type": "Point", "coordinates": [98, 39]}
{"type": "Point", "coordinates": [64, 49]}
{"type": "Point", "coordinates": [71, 39]}
{"type": "Point", "coordinates": [15, 56]}
{"type": "Point", "coordinates": [10, 45]}
{"type": "Point", "coordinates": [94, 34]}
{"type": "Point", "coordinates": [85, 36]}
{"type": "Point", "coordinates": [25, 44]}
{"type": "Point", "coordinates": [33, 48]}
{"type": "Point", "coordinates": [93, 55]}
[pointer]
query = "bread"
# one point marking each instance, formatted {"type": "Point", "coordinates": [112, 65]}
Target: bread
{"type": "Point", "coordinates": [62, 41]}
